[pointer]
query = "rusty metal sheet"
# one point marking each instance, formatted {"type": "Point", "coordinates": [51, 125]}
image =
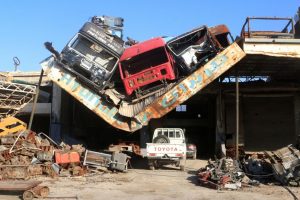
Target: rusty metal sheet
{"type": "Point", "coordinates": [18, 185]}
{"type": "Point", "coordinates": [161, 106]}
{"type": "Point", "coordinates": [272, 47]}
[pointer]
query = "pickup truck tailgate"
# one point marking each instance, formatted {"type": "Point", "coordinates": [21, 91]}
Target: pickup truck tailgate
{"type": "Point", "coordinates": [167, 150]}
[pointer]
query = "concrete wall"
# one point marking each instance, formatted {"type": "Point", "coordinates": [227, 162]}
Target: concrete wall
{"type": "Point", "coordinates": [266, 123]}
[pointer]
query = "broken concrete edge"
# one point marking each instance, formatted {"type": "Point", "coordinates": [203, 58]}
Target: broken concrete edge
{"type": "Point", "coordinates": [272, 47]}
{"type": "Point", "coordinates": [163, 105]}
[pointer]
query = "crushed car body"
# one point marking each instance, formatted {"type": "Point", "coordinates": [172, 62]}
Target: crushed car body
{"type": "Point", "coordinates": [92, 55]}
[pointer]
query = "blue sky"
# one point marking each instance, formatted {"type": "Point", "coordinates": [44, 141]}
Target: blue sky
{"type": "Point", "coordinates": [27, 24]}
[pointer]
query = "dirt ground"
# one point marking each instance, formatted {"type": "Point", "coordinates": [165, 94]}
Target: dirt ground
{"type": "Point", "coordinates": [167, 183]}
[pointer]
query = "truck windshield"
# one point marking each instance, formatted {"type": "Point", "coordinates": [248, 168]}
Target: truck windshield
{"type": "Point", "coordinates": [144, 61]}
{"type": "Point", "coordinates": [93, 52]}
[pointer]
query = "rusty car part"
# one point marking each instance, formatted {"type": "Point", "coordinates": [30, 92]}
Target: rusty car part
{"type": "Point", "coordinates": [131, 147]}
{"type": "Point", "coordinates": [31, 188]}
{"type": "Point", "coordinates": [221, 174]}
{"type": "Point", "coordinates": [62, 157]}
{"type": "Point", "coordinates": [221, 35]}
{"type": "Point", "coordinates": [286, 165]}
{"type": "Point", "coordinates": [115, 161]}
{"type": "Point", "coordinates": [145, 66]}
{"type": "Point", "coordinates": [193, 49]}
{"type": "Point", "coordinates": [11, 125]}
{"type": "Point", "coordinates": [160, 106]}
{"type": "Point", "coordinates": [288, 31]}
{"type": "Point", "coordinates": [112, 25]}
{"type": "Point", "coordinates": [13, 97]}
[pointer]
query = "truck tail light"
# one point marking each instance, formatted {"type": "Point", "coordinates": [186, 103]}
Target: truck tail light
{"type": "Point", "coordinates": [179, 155]}
{"type": "Point", "coordinates": [152, 154]}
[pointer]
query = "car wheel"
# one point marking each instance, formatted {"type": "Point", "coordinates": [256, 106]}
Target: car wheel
{"type": "Point", "coordinates": [194, 155]}
{"type": "Point", "coordinates": [161, 139]}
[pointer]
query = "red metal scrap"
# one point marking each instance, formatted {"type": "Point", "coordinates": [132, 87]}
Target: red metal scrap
{"type": "Point", "coordinates": [66, 157]}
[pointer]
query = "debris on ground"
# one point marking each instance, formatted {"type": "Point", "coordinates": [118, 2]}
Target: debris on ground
{"type": "Point", "coordinates": [282, 165]}
{"type": "Point", "coordinates": [221, 174]}
{"type": "Point", "coordinates": [285, 163]}
{"type": "Point", "coordinates": [30, 189]}
{"type": "Point", "coordinates": [29, 154]}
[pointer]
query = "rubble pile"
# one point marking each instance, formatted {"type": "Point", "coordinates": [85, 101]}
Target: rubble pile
{"type": "Point", "coordinates": [221, 174]}
{"type": "Point", "coordinates": [29, 154]}
{"type": "Point", "coordinates": [282, 165]}
{"type": "Point", "coordinates": [285, 163]}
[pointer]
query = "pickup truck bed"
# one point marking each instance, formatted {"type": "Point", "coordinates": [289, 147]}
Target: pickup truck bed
{"type": "Point", "coordinates": [163, 150]}
{"type": "Point", "coordinates": [164, 153]}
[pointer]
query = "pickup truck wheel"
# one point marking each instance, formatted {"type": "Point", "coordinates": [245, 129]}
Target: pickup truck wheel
{"type": "Point", "coordinates": [194, 155]}
{"type": "Point", "coordinates": [161, 139]}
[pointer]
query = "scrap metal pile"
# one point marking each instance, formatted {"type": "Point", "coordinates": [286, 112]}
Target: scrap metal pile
{"type": "Point", "coordinates": [282, 165]}
{"type": "Point", "coordinates": [28, 154]}
{"type": "Point", "coordinates": [221, 174]}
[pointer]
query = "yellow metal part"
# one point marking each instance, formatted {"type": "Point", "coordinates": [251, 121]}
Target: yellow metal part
{"type": "Point", "coordinates": [11, 125]}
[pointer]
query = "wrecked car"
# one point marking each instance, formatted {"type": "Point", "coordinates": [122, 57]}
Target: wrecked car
{"type": "Point", "coordinates": [146, 66]}
{"type": "Point", "coordinates": [92, 55]}
{"type": "Point", "coordinates": [193, 49]}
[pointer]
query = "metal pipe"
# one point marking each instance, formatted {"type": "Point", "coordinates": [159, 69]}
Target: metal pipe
{"type": "Point", "coordinates": [37, 91]}
{"type": "Point", "coordinates": [237, 117]}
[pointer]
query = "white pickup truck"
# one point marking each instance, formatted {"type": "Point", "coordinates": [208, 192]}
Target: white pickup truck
{"type": "Point", "coordinates": [168, 147]}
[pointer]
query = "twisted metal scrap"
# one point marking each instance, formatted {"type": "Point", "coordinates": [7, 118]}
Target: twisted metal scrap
{"type": "Point", "coordinates": [14, 96]}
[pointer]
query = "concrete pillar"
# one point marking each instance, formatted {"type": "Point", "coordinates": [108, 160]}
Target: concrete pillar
{"type": "Point", "coordinates": [55, 120]}
{"type": "Point", "coordinates": [220, 126]}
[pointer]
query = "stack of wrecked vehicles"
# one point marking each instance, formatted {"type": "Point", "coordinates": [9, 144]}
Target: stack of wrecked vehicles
{"type": "Point", "coordinates": [132, 75]}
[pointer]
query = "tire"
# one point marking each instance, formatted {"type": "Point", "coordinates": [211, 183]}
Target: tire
{"type": "Point", "coordinates": [194, 155]}
{"type": "Point", "coordinates": [161, 139]}
{"type": "Point", "coordinates": [28, 195]}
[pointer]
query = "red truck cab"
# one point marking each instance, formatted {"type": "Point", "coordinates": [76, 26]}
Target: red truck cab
{"type": "Point", "coordinates": [146, 65]}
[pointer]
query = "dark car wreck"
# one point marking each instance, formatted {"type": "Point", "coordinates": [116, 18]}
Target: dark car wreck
{"type": "Point", "coordinates": [195, 48]}
{"type": "Point", "coordinates": [92, 55]}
